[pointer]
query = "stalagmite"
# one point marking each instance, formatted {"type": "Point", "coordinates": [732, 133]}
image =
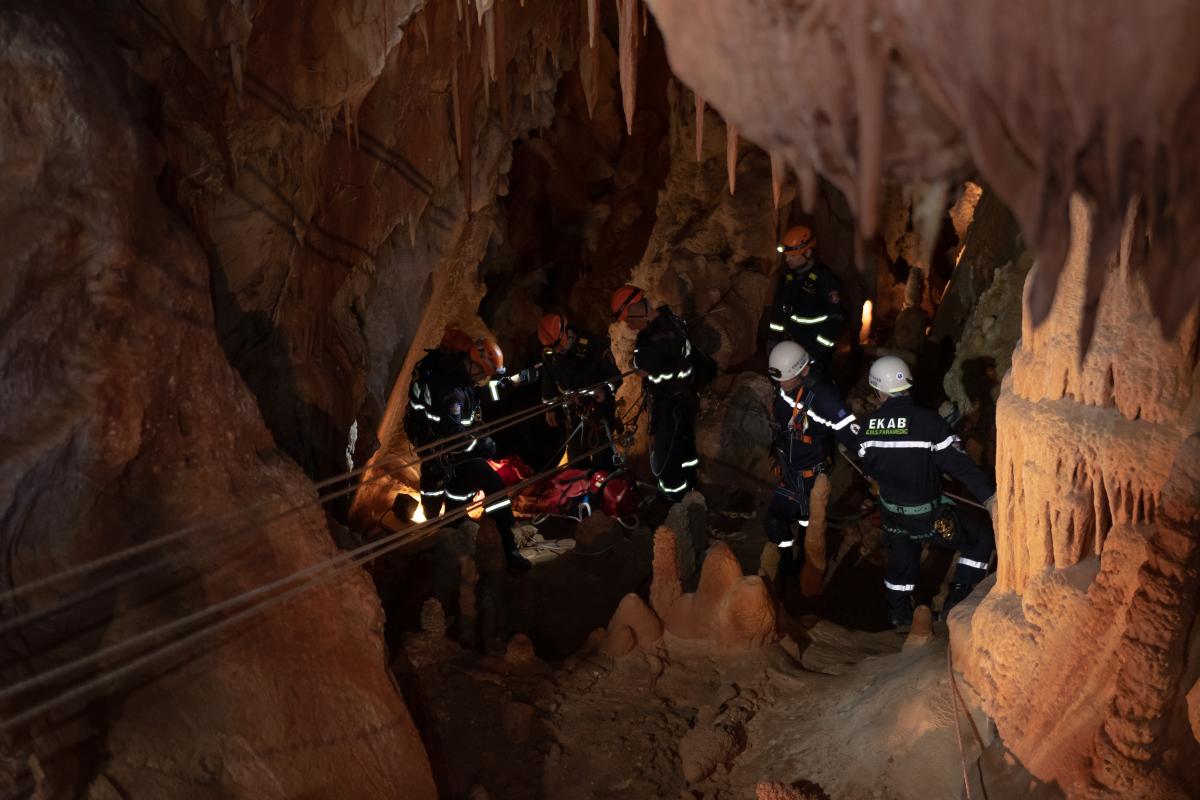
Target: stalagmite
{"type": "Point", "coordinates": [731, 154]}
{"type": "Point", "coordinates": [593, 15]}
{"type": "Point", "coordinates": [699, 127]}
{"type": "Point", "coordinates": [629, 41]}
{"type": "Point", "coordinates": [778, 170]}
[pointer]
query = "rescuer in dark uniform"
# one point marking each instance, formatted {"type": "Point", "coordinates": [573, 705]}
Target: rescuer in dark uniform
{"type": "Point", "coordinates": [809, 416]}
{"type": "Point", "coordinates": [905, 449]}
{"type": "Point", "coordinates": [572, 361]}
{"type": "Point", "coordinates": [808, 299]}
{"type": "Point", "coordinates": [663, 353]}
{"type": "Point", "coordinates": [443, 401]}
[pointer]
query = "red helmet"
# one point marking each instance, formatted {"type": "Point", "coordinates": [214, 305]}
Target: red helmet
{"type": "Point", "coordinates": [552, 329]}
{"type": "Point", "coordinates": [799, 239]}
{"type": "Point", "coordinates": [488, 355]}
{"type": "Point", "coordinates": [623, 298]}
{"type": "Point", "coordinates": [456, 339]}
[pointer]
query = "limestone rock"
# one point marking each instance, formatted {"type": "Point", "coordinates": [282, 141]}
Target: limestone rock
{"type": "Point", "coordinates": [516, 722]}
{"type": "Point", "coordinates": [119, 400]}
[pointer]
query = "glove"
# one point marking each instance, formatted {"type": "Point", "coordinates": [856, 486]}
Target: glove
{"type": "Point", "coordinates": [552, 419]}
{"type": "Point", "coordinates": [486, 447]}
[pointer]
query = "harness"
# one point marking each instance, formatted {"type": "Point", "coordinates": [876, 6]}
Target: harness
{"type": "Point", "coordinates": [944, 522]}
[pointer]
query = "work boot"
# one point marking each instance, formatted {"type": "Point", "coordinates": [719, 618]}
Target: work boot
{"type": "Point", "coordinates": [900, 611]}
{"type": "Point", "coordinates": [517, 564]}
{"type": "Point", "coordinates": [957, 593]}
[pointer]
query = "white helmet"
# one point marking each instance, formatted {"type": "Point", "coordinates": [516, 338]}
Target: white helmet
{"type": "Point", "coordinates": [787, 360]}
{"type": "Point", "coordinates": [890, 375]}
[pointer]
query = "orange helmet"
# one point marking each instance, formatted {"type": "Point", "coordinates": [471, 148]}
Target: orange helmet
{"type": "Point", "coordinates": [799, 239]}
{"type": "Point", "coordinates": [457, 340]}
{"type": "Point", "coordinates": [552, 329]}
{"type": "Point", "coordinates": [488, 355]}
{"type": "Point", "coordinates": [623, 298]}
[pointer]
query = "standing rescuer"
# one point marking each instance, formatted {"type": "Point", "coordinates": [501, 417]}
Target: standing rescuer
{"type": "Point", "coordinates": [443, 401]}
{"type": "Point", "coordinates": [810, 415]}
{"type": "Point", "coordinates": [663, 355]}
{"type": "Point", "coordinates": [808, 299]}
{"type": "Point", "coordinates": [905, 449]}
{"type": "Point", "coordinates": [573, 360]}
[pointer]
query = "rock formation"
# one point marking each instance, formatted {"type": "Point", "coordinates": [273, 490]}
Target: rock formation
{"type": "Point", "coordinates": [123, 421]}
{"type": "Point", "coordinates": [1080, 650]}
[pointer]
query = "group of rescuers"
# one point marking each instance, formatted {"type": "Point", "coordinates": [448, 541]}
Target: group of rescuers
{"type": "Point", "coordinates": [904, 448]}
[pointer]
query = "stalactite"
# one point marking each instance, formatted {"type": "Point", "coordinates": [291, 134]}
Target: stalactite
{"type": "Point", "coordinates": [589, 75]}
{"type": "Point", "coordinates": [699, 127]}
{"type": "Point", "coordinates": [235, 68]}
{"type": "Point", "coordinates": [458, 6]}
{"type": "Point", "coordinates": [502, 66]}
{"type": "Point", "coordinates": [808, 187]}
{"type": "Point", "coordinates": [456, 98]}
{"type": "Point", "coordinates": [778, 170]}
{"type": "Point", "coordinates": [628, 27]}
{"type": "Point", "coordinates": [645, 20]}
{"type": "Point", "coordinates": [731, 154]}
{"type": "Point", "coordinates": [868, 70]}
{"type": "Point", "coordinates": [489, 22]}
{"type": "Point", "coordinates": [423, 28]}
{"type": "Point", "coordinates": [485, 79]}
{"type": "Point", "coordinates": [593, 16]}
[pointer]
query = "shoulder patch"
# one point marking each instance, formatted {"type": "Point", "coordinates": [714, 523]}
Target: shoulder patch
{"type": "Point", "coordinates": [812, 276]}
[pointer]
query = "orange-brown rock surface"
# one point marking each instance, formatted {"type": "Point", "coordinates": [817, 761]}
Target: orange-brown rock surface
{"type": "Point", "coordinates": [1080, 650]}
{"type": "Point", "coordinates": [124, 421]}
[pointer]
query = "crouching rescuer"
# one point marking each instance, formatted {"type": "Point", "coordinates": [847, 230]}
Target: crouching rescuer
{"type": "Point", "coordinates": [443, 401]}
{"type": "Point", "coordinates": [905, 449]}
{"type": "Point", "coordinates": [810, 416]}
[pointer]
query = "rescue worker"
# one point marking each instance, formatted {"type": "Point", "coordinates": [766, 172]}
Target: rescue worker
{"type": "Point", "coordinates": [573, 360]}
{"type": "Point", "coordinates": [443, 401]}
{"type": "Point", "coordinates": [905, 449]}
{"type": "Point", "coordinates": [808, 299]}
{"type": "Point", "coordinates": [663, 356]}
{"type": "Point", "coordinates": [811, 418]}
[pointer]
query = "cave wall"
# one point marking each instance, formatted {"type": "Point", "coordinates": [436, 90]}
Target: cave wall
{"type": "Point", "coordinates": [1081, 651]}
{"type": "Point", "coordinates": [124, 421]}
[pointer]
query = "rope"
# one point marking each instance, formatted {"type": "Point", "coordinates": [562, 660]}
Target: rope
{"type": "Point", "coordinates": [962, 753]}
{"type": "Point", "coordinates": [310, 576]}
{"type": "Point", "coordinates": [444, 446]}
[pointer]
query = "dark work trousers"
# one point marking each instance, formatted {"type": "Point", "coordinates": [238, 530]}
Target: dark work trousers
{"type": "Point", "coordinates": [475, 475]}
{"type": "Point", "coordinates": [785, 507]}
{"type": "Point", "coordinates": [673, 458]}
{"type": "Point", "coordinates": [906, 537]}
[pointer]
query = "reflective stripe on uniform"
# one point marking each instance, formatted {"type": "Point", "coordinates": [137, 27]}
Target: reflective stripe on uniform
{"type": "Point", "coordinates": [942, 445]}
{"type": "Point", "coordinates": [809, 320]}
{"type": "Point", "coordinates": [788, 543]}
{"type": "Point", "coordinates": [459, 497]}
{"type": "Point", "coordinates": [822, 340]}
{"type": "Point", "coordinates": [668, 490]}
{"type": "Point", "coordinates": [438, 493]}
{"type": "Point", "coordinates": [494, 388]}
{"type": "Point", "coordinates": [497, 505]}
{"type": "Point", "coordinates": [694, 462]}
{"type": "Point", "coordinates": [899, 587]}
{"type": "Point", "coordinates": [776, 327]}
{"type": "Point", "coordinates": [966, 562]}
{"type": "Point", "coordinates": [803, 523]}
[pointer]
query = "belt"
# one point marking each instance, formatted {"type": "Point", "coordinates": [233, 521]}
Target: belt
{"type": "Point", "coordinates": [911, 511]}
